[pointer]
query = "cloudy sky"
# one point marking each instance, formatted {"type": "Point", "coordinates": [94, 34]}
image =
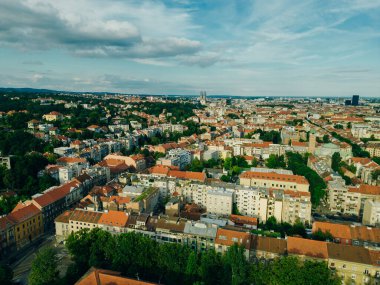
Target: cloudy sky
{"type": "Point", "coordinates": [258, 48]}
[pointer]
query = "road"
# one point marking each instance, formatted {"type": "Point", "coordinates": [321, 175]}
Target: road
{"type": "Point", "coordinates": [23, 265]}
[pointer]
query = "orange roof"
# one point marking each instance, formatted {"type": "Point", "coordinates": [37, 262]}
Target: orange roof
{"type": "Point", "coordinates": [159, 169]}
{"type": "Point", "coordinates": [307, 247]}
{"type": "Point", "coordinates": [300, 144]}
{"type": "Point", "coordinates": [230, 237]}
{"type": "Point", "coordinates": [365, 189]}
{"type": "Point", "coordinates": [361, 160]}
{"type": "Point", "coordinates": [275, 176]}
{"type": "Point", "coordinates": [56, 194]}
{"type": "Point", "coordinates": [114, 218]}
{"type": "Point", "coordinates": [296, 194]}
{"type": "Point", "coordinates": [71, 159]}
{"type": "Point", "coordinates": [187, 175]}
{"type": "Point", "coordinates": [101, 276]}
{"type": "Point", "coordinates": [337, 230]}
{"type": "Point", "coordinates": [24, 214]}
{"type": "Point", "coordinates": [238, 219]}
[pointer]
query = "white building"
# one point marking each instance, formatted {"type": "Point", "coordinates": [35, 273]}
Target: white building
{"type": "Point", "coordinates": [219, 201]}
{"type": "Point", "coordinates": [371, 213]}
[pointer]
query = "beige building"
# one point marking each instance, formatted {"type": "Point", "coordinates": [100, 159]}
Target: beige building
{"type": "Point", "coordinates": [371, 213]}
{"type": "Point", "coordinates": [53, 116]}
{"type": "Point", "coordinates": [73, 221]}
{"type": "Point", "coordinates": [296, 207]}
{"type": "Point", "coordinates": [274, 180]}
{"type": "Point", "coordinates": [355, 264]}
{"type": "Point", "coordinates": [219, 201]}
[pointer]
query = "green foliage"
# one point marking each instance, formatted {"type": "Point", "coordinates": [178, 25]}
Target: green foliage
{"type": "Point", "coordinates": [335, 161]}
{"type": "Point", "coordinates": [19, 143]}
{"type": "Point", "coordinates": [282, 228]}
{"type": "Point", "coordinates": [338, 127]}
{"type": "Point", "coordinates": [275, 161]}
{"type": "Point", "coordinates": [271, 136]}
{"type": "Point", "coordinates": [357, 151]}
{"type": "Point", "coordinates": [295, 122]}
{"type": "Point", "coordinates": [233, 116]}
{"type": "Point", "coordinates": [290, 270]}
{"type": "Point", "coordinates": [326, 139]}
{"type": "Point", "coordinates": [7, 204]}
{"type": "Point", "coordinates": [134, 255]}
{"type": "Point", "coordinates": [44, 268]}
{"type": "Point", "coordinates": [376, 174]}
{"type": "Point", "coordinates": [181, 111]}
{"type": "Point", "coordinates": [298, 165]}
{"type": "Point", "coordinates": [198, 166]}
{"type": "Point", "coordinates": [323, 236]}
{"type": "Point", "coordinates": [6, 275]}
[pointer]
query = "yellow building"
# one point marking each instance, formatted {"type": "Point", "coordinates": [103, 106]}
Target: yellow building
{"type": "Point", "coordinates": [355, 264]}
{"type": "Point", "coordinates": [7, 238]}
{"type": "Point", "coordinates": [274, 180]}
{"type": "Point", "coordinates": [28, 223]}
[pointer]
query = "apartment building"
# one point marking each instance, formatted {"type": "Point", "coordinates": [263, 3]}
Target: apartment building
{"type": "Point", "coordinates": [219, 201]}
{"type": "Point", "coordinates": [371, 213]}
{"type": "Point", "coordinates": [27, 220]}
{"type": "Point", "coordinates": [296, 206]}
{"type": "Point", "coordinates": [274, 180]}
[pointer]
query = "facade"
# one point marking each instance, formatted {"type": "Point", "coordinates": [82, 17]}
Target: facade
{"type": "Point", "coordinates": [274, 180]}
{"type": "Point", "coordinates": [28, 224]}
{"type": "Point", "coordinates": [219, 201]}
{"type": "Point", "coordinates": [371, 213]}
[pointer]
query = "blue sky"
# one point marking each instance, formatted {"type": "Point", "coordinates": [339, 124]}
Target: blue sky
{"type": "Point", "coordinates": [242, 47]}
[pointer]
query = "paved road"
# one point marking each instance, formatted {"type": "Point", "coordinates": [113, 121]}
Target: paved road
{"type": "Point", "coordinates": [22, 266]}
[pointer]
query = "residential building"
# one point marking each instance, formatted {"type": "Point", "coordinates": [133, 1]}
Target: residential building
{"type": "Point", "coordinates": [219, 201]}
{"type": "Point", "coordinates": [371, 213]}
{"type": "Point", "coordinates": [274, 180]}
{"type": "Point", "coordinates": [27, 219]}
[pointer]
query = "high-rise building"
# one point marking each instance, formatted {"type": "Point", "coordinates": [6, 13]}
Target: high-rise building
{"type": "Point", "coordinates": [202, 97]}
{"type": "Point", "coordinates": [355, 100]}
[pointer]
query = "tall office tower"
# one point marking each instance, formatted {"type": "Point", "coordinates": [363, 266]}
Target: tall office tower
{"type": "Point", "coordinates": [312, 141]}
{"type": "Point", "coordinates": [355, 100]}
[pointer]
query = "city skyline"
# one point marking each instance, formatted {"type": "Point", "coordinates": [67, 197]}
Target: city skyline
{"type": "Point", "coordinates": [181, 47]}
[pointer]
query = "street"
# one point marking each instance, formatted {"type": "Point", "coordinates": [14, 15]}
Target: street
{"type": "Point", "coordinates": [23, 265]}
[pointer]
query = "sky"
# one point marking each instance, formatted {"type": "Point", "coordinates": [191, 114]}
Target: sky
{"type": "Point", "coordinates": [242, 47]}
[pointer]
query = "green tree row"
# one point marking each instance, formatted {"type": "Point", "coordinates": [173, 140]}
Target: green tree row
{"type": "Point", "coordinates": [135, 255]}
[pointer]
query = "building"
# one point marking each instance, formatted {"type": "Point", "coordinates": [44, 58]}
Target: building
{"type": "Point", "coordinates": [7, 236]}
{"type": "Point", "coordinates": [356, 265]}
{"type": "Point", "coordinates": [5, 161]}
{"type": "Point", "coordinates": [350, 234]}
{"type": "Point", "coordinates": [28, 223]}
{"type": "Point", "coordinates": [53, 116]}
{"type": "Point", "coordinates": [226, 237]}
{"type": "Point", "coordinates": [371, 213]}
{"type": "Point", "coordinates": [296, 206]}
{"type": "Point", "coordinates": [219, 201]}
{"type": "Point", "coordinates": [96, 276]}
{"type": "Point", "coordinates": [274, 180]}
{"type": "Point", "coordinates": [355, 100]}
{"type": "Point", "coordinates": [307, 248]}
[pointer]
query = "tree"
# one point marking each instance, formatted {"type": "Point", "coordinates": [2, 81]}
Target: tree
{"type": "Point", "coordinates": [275, 161]}
{"type": "Point", "coordinates": [6, 275]}
{"type": "Point", "coordinates": [323, 236]}
{"type": "Point", "coordinates": [236, 264]}
{"type": "Point", "coordinates": [376, 174]}
{"type": "Point", "coordinates": [335, 161]}
{"type": "Point", "coordinates": [326, 139]}
{"type": "Point", "coordinates": [44, 268]}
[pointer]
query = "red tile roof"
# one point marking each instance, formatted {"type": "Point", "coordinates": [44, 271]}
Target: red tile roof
{"type": "Point", "coordinates": [24, 214]}
{"type": "Point", "coordinates": [230, 237]}
{"type": "Point", "coordinates": [307, 247]}
{"type": "Point", "coordinates": [275, 176]}
{"type": "Point", "coordinates": [114, 218]}
{"type": "Point", "coordinates": [107, 277]}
